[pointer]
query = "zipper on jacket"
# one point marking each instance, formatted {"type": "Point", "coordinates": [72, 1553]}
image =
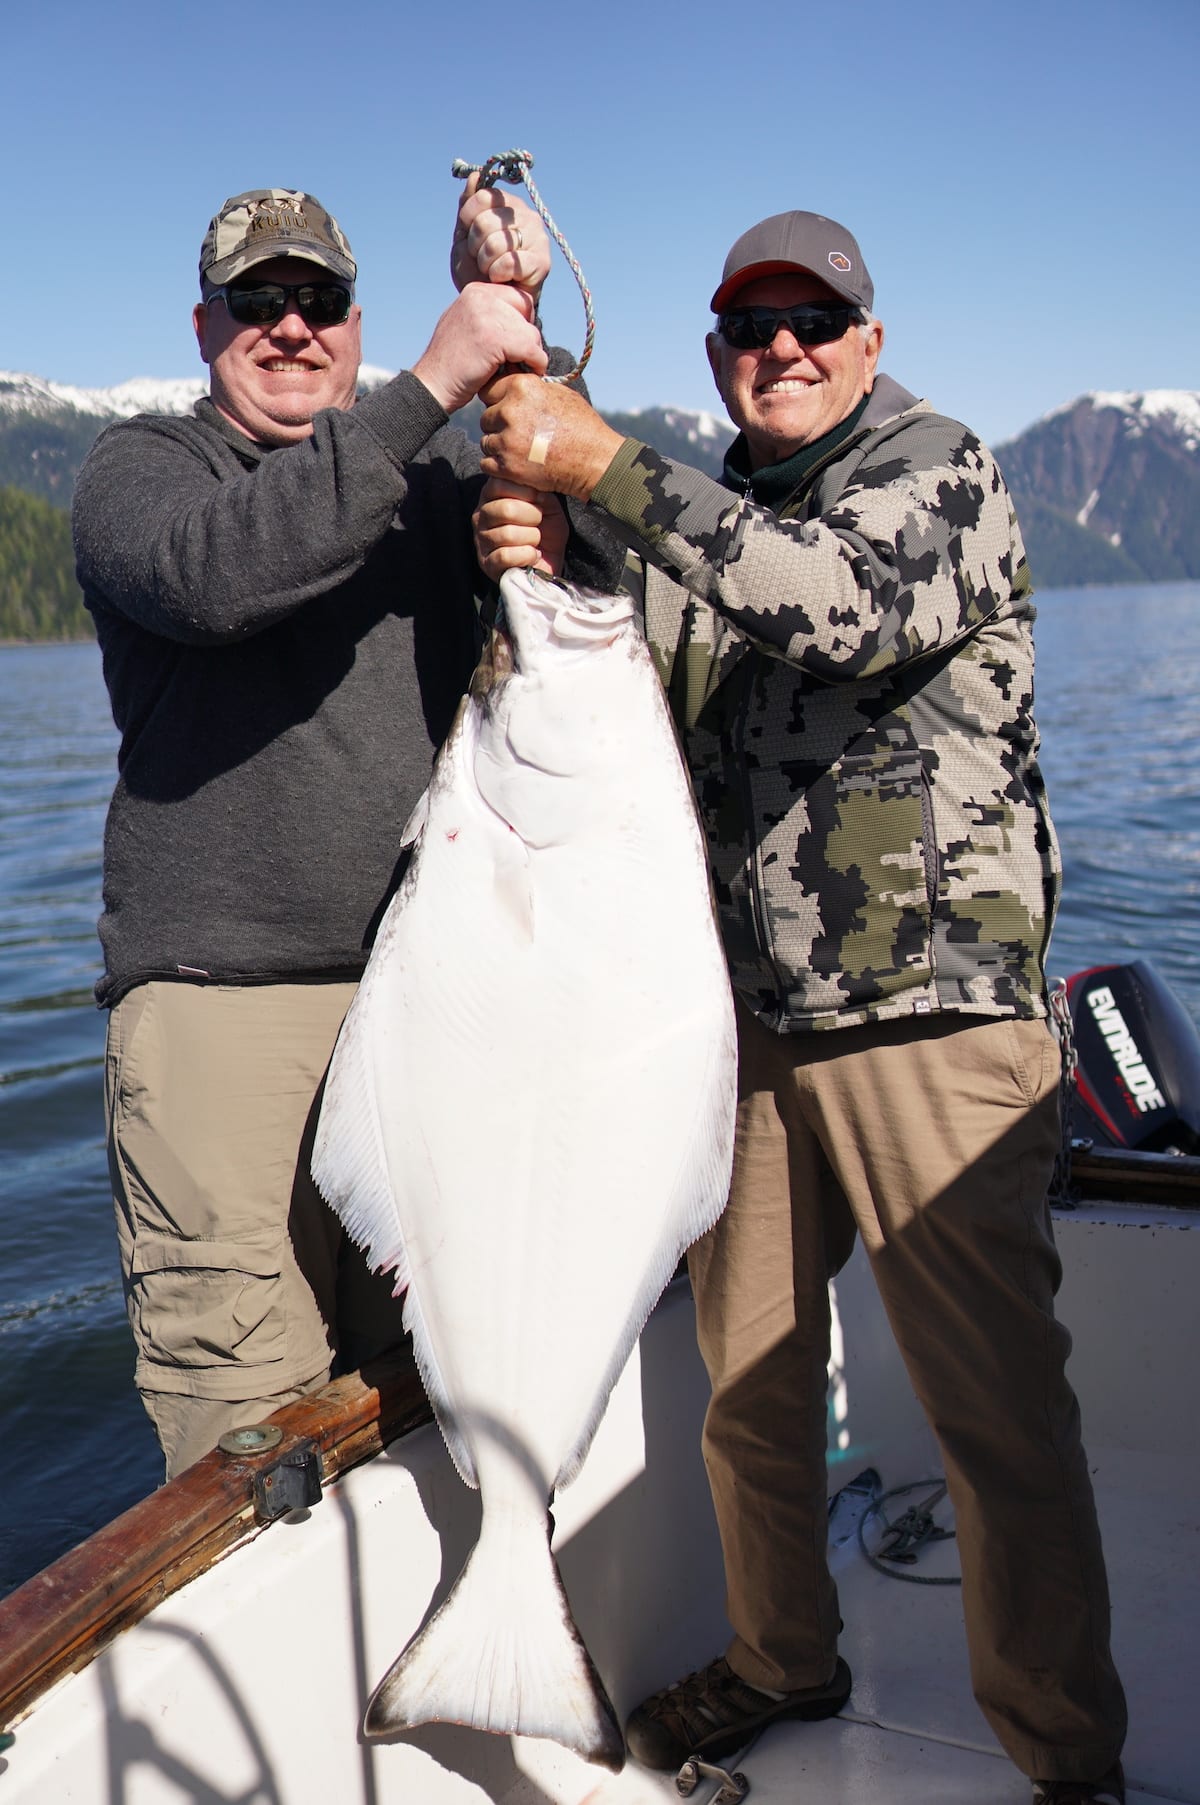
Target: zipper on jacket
{"type": "Point", "coordinates": [808, 483]}
{"type": "Point", "coordinates": [929, 851]}
{"type": "Point", "coordinates": [765, 939]}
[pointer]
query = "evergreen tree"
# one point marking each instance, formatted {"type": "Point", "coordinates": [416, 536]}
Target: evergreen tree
{"type": "Point", "coordinates": [39, 597]}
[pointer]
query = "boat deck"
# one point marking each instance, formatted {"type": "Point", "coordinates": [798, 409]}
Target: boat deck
{"type": "Point", "coordinates": [250, 1681]}
{"type": "Point", "coordinates": [912, 1734]}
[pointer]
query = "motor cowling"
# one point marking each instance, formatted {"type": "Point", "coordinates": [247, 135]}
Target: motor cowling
{"type": "Point", "coordinates": [1138, 1078]}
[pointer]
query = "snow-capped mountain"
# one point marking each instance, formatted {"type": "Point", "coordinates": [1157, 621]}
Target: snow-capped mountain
{"type": "Point", "coordinates": [46, 428]}
{"type": "Point", "coordinates": [143, 395]}
{"type": "Point", "coordinates": [21, 394]}
{"type": "Point", "coordinates": [1175, 410]}
{"type": "Point", "coordinates": [1108, 488]}
{"type": "Point", "coordinates": [696, 438]}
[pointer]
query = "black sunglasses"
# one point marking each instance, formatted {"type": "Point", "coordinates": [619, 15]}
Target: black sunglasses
{"type": "Point", "coordinates": [262, 303]}
{"type": "Point", "coordinates": [754, 328]}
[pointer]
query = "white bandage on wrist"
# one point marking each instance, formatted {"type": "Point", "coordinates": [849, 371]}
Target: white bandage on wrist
{"type": "Point", "coordinates": [540, 443]}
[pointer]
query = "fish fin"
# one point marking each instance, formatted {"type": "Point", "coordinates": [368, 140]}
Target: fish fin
{"type": "Point", "coordinates": [414, 827]}
{"type": "Point", "coordinates": [349, 1159]}
{"type": "Point", "coordinates": [706, 1150]}
{"type": "Point", "coordinates": [503, 1653]}
{"type": "Point", "coordinates": [350, 1169]}
{"type": "Point", "coordinates": [701, 1187]}
{"type": "Point", "coordinates": [436, 1391]}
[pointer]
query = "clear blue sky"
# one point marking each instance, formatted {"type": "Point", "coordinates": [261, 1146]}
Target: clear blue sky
{"type": "Point", "coordinates": [1022, 177]}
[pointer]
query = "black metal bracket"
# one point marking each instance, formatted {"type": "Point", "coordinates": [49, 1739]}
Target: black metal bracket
{"type": "Point", "coordinates": [292, 1482]}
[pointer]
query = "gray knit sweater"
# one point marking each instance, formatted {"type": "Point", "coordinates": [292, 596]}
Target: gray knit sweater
{"type": "Point", "coordinates": [286, 634]}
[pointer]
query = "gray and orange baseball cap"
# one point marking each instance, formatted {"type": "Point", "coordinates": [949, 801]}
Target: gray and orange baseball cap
{"type": "Point", "coordinates": [273, 222]}
{"type": "Point", "coordinates": [798, 241]}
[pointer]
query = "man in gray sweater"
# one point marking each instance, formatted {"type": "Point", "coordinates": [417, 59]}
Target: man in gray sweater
{"type": "Point", "coordinates": [286, 598]}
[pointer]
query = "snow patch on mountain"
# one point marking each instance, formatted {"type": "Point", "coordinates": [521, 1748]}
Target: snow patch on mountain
{"type": "Point", "coordinates": [1178, 410]}
{"type": "Point", "coordinates": [698, 425]}
{"type": "Point", "coordinates": [371, 376]}
{"type": "Point", "coordinates": [141, 395]}
{"type": "Point", "coordinates": [20, 393]}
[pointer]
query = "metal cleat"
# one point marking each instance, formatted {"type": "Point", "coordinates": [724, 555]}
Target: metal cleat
{"type": "Point", "coordinates": [734, 1787]}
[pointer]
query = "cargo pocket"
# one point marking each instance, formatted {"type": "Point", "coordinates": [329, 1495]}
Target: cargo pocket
{"type": "Point", "coordinates": [1036, 1057]}
{"type": "Point", "coordinates": [209, 1316]}
{"type": "Point", "coordinates": [864, 855]}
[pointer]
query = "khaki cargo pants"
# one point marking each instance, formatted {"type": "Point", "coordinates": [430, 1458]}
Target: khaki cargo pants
{"type": "Point", "coordinates": [934, 1139]}
{"type": "Point", "coordinates": [240, 1284]}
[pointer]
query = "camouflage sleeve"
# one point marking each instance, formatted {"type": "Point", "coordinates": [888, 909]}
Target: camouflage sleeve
{"type": "Point", "coordinates": [918, 549]}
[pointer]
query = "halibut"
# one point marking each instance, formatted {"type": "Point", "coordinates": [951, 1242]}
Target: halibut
{"type": "Point", "coordinates": [529, 1118]}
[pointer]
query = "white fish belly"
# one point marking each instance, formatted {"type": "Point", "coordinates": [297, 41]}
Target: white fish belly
{"type": "Point", "coordinates": [545, 1030]}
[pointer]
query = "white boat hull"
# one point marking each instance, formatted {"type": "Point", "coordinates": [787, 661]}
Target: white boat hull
{"type": "Point", "coordinates": [255, 1675]}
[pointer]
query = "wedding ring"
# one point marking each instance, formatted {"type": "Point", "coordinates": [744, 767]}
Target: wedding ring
{"type": "Point", "coordinates": [520, 244]}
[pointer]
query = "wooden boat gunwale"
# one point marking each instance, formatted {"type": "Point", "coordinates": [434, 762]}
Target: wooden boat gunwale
{"type": "Point", "coordinates": [61, 1618]}
{"type": "Point", "coordinates": [1129, 1176]}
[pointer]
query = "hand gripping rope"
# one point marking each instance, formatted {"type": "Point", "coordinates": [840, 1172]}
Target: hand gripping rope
{"type": "Point", "coordinates": [514, 166]}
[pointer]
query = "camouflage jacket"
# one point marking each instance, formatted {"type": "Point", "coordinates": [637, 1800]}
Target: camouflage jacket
{"type": "Point", "coordinates": [853, 681]}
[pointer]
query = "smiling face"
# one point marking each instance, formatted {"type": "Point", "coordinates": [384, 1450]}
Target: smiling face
{"type": "Point", "coordinates": [269, 381]}
{"type": "Point", "coordinates": [787, 394]}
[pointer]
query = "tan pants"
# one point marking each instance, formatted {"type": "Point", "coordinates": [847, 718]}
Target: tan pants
{"type": "Point", "coordinates": [240, 1284]}
{"type": "Point", "coordinates": [934, 1138]}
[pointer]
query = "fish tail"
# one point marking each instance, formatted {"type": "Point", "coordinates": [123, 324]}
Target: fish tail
{"type": "Point", "coordinates": [503, 1653]}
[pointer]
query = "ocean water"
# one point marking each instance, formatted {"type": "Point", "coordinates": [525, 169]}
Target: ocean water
{"type": "Point", "coordinates": [76, 1446]}
{"type": "Point", "coordinates": [1119, 709]}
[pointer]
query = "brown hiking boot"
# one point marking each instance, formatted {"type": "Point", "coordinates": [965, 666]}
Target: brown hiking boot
{"type": "Point", "coordinates": [713, 1712]}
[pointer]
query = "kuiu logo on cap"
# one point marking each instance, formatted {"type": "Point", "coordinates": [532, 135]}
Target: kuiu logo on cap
{"type": "Point", "coordinates": [839, 260]}
{"type": "Point", "coordinates": [277, 217]}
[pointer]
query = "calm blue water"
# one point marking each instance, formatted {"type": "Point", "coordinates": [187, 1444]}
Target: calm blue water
{"type": "Point", "coordinates": [1119, 708]}
{"type": "Point", "coordinates": [75, 1446]}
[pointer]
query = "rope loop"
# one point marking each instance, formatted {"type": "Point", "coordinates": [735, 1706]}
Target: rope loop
{"type": "Point", "coordinates": [514, 166]}
{"type": "Point", "coordinates": [909, 1533]}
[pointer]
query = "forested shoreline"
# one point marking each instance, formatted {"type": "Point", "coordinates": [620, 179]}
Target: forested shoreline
{"type": "Point", "coordinates": [1107, 489]}
{"type": "Point", "coordinates": [39, 597]}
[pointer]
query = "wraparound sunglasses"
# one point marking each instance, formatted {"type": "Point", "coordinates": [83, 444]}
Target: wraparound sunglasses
{"type": "Point", "coordinates": [261, 304]}
{"type": "Point", "coordinates": [754, 328]}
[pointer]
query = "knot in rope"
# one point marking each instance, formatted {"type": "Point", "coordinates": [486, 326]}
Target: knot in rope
{"type": "Point", "coordinates": [904, 1538]}
{"type": "Point", "coordinates": [509, 166]}
{"type": "Point", "coordinates": [514, 166]}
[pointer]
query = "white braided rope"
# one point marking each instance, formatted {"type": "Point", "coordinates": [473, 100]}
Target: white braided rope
{"type": "Point", "coordinates": [514, 166]}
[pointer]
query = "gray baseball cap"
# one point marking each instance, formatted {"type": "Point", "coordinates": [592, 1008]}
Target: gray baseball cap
{"type": "Point", "coordinates": [273, 222]}
{"type": "Point", "coordinates": [804, 241]}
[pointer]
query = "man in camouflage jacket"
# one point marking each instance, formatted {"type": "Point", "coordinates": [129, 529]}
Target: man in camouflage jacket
{"type": "Point", "coordinates": [862, 742]}
{"type": "Point", "coordinates": [845, 639]}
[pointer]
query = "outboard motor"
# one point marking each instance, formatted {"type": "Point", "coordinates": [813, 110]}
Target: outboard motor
{"type": "Point", "coordinates": [1138, 1080]}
